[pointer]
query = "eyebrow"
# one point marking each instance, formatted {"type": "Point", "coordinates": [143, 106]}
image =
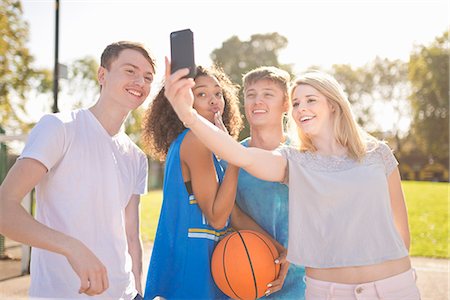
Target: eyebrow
{"type": "Point", "coordinates": [136, 67]}
{"type": "Point", "coordinates": [204, 85]}
{"type": "Point", "coordinates": [264, 89]}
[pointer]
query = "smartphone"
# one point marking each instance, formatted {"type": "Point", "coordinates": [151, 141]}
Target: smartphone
{"type": "Point", "coordinates": [182, 51]}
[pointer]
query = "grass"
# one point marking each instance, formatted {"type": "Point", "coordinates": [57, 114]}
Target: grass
{"type": "Point", "coordinates": [150, 208]}
{"type": "Point", "coordinates": [428, 210]}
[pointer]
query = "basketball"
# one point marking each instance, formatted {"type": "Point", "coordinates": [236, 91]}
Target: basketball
{"type": "Point", "coordinates": [243, 263]}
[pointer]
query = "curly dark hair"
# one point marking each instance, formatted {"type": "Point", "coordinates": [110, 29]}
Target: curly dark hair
{"type": "Point", "coordinates": [161, 125]}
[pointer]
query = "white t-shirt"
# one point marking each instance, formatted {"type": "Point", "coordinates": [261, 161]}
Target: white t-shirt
{"type": "Point", "coordinates": [91, 177]}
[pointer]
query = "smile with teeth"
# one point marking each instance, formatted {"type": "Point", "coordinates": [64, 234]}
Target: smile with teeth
{"type": "Point", "coordinates": [259, 111]}
{"type": "Point", "coordinates": [306, 118]}
{"type": "Point", "coordinates": [135, 93]}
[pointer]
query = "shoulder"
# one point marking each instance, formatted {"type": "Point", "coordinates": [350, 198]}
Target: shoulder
{"type": "Point", "coordinates": [192, 143]}
{"type": "Point", "coordinates": [192, 149]}
{"type": "Point", "coordinates": [61, 120]}
{"type": "Point", "coordinates": [289, 152]}
{"type": "Point", "coordinates": [379, 148]}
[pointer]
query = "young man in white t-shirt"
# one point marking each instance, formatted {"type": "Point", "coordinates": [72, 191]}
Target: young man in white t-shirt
{"type": "Point", "coordinates": [88, 176]}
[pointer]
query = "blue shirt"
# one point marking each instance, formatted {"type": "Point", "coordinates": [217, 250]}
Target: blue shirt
{"type": "Point", "coordinates": [184, 242]}
{"type": "Point", "coordinates": [267, 203]}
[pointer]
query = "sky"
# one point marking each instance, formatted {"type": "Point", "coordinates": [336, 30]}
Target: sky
{"type": "Point", "coordinates": [320, 33]}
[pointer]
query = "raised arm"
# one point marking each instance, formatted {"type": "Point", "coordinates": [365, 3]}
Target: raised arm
{"type": "Point", "coordinates": [263, 164]}
{"type": "Point", "coordinates": [19, 225]}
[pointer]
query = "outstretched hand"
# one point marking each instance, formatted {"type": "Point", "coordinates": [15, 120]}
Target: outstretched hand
{"type": "Point", "coordinates": [277, 284]}
{"type": "Point", "coordinates": [92, 273]}
{"type": "Point", "coordinates": [178, 90]}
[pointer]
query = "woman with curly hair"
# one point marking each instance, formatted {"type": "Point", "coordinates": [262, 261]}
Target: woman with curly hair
{"type": "Point", "coordinates": [197, 196]}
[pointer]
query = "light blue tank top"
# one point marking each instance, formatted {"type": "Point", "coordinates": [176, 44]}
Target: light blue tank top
{"type": "Point", "coordinates": [267, 203]}
{"type": "Point", "coordinates": [184, 242]}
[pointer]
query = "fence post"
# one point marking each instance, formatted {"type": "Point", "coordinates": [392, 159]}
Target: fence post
{"type": "Point", "coordinates": [3, 171]}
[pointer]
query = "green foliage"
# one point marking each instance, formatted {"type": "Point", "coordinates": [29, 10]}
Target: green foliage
{"type": "Point", "coordinates": [150, 209]}
{"type": "Point", "coordinates": [81, 84]}
{"type": "Point", "coordinates": [238, 57]}
{"type": "Point", "coordinates": [133, 125]}
{"type": "Point", "coordinates": [427, 204]}
{"type": "Point", "coordinates": [428, 210]}
{"type": "Point", "coordinates": [358, 85]}
{"type": "Point", "coordinates": [381, 80]}
{"type": "Point", "coordinates": [17, 77]}
{"type": "Point", "coordinates": [429, 76]}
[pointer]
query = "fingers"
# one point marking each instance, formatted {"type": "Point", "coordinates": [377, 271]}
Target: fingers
{"type": "Point", "coordinates": [176, 75]}
{"type": "Point", "coordinates": [95, 283]}
{"type": "Point", "coordinates": [105, 280]}
{"type": "Point", "coordinates": [277, 284]}
{"type": "Point", "coordinates": [219, 122]}
{"type": "Point", "coordinates": [84, 284]}
{"type": "Point", "coordinates": [167, 62]}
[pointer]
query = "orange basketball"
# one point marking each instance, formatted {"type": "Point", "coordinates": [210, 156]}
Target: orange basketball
{"type": "Point", "coordinates": [243, 263]}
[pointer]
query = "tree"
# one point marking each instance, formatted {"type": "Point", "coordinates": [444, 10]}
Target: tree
{"type": "Point", "coordinates": [17, 77]}
{"type": "Point", "coordinates": [81, 85]}
{"type": "Point", "coordinates": [357, 83]}
{"type": "Point", "coordinates": [429, 76]}
{"type": "Point", "coordinates": [391, 86]}
{"type": "Point", "coordinates": [237, 57]}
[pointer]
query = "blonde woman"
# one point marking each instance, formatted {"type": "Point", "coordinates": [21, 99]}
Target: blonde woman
{"type": "Point", "coordinates": [347, 216]}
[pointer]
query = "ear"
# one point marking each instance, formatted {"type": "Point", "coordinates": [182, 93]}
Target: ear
{"type": "Point", "coordinates": [101, 73]}
{"type": "Point", "coordinates": [332, 106]}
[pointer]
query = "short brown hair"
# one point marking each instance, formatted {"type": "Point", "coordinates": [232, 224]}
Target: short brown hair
{"type": "Point", "coordinates": [113, 50]}
{"type": "Point", "coordinates": [274, 74]}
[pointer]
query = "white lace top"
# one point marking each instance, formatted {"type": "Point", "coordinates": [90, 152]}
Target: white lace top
{"type": "Point", "coordinates": [339, 209]}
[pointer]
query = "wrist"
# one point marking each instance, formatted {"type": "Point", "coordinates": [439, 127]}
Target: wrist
{"type": "Point", "coordinates": [190, 118]}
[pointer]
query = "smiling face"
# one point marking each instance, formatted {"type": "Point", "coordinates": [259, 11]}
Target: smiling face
{"type": "Point", "coordinates": [264, 103]}
{"type": "Point", "coordinates": [311, 111]}
{"type": "Point", "coordinates": [127, 81]}
{"type": "Point", "coordinates": [208, 97]}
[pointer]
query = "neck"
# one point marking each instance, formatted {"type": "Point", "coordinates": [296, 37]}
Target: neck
{"type": "Point", "coordinates": [328, 145]}
{"type": "Point", "coordinates": [110, 117]}
{"type": "Point", "coordinates": [266, 138]}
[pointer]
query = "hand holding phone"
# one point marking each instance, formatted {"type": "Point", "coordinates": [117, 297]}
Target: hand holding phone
{"type": "Point", "coordinates": [182, 51]}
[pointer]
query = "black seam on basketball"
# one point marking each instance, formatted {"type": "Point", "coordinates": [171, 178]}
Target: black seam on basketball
{"type": "Point", "coordinates": [275, 268]}
{"type": "Point", "coordinates": [251, 266]}
{"type": "Point", "coordinates": [225, 268]}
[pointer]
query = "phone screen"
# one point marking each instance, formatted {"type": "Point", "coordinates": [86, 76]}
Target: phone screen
{"type": "Point", "coordinates": [182, 51]}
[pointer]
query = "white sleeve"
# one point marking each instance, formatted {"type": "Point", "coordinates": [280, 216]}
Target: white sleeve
{"type": "Point", "coordinates": [286, 152]}
{"type": "Point", "coordinates": [389, 160]}
{"type": "Point", "coordinates": [46, 141]}
{"type": "Point", "coordinates": [142, 176]}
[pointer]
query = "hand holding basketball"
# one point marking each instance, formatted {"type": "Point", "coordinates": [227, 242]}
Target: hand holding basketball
{"type": "Point", "coordinates": [243, 263]}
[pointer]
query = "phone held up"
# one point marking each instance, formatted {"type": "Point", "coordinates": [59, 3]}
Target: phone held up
{"type": "Point", "coordinates": [182, 51]}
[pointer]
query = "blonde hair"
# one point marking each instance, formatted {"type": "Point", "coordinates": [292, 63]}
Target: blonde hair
{"type": "Point", "coordinates": [347, 132]}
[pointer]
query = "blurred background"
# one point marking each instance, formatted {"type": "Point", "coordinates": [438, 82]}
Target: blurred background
{"type": "Point", "coordinates": [391, 57]}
